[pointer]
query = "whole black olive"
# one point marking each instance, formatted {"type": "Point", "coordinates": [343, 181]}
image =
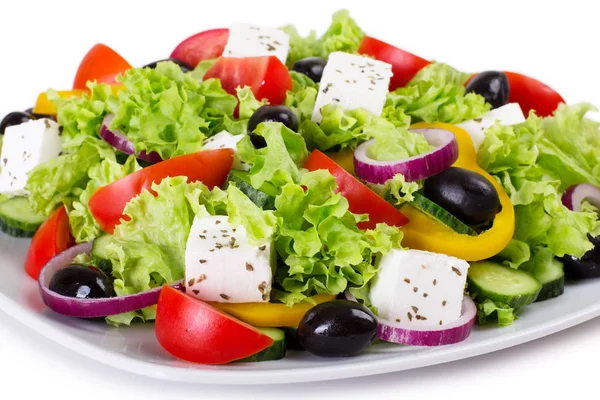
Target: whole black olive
{"type": "Point", "coordinates": [465, 194]}
{"type": "Point", "coordinates": [268, 113]}
{"type": "Point", "coordinates": [338, 328]}
{"type": "Point", "coordinates": [14, 118]}
{"type": "Point", "coordinates": [492, 85]}
{"type": "Point", "coordinates": [184, 67]}
{"type": "Point", "coordinates": [81, 282]}
{"type": "Point", "coordinates": [311, 67]}
{"type": "Point", "coordinates": [586, 267]}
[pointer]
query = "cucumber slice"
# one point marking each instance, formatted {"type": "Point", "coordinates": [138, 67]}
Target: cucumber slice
{"type": "Point", "coordinates": [99, 255]}
{"type": "Point", "coordinates": [274, 352]}
{"type": "Point", "coordinates": [552, 277]}
{"type": "Point", "coordinates": [18, 219]}
{"type": "Point", "coordinates": [503, 284]}
{"type": "Point", "coordinates": [263, 198]}
{"type": "Point", "coordinates": [438, 213]}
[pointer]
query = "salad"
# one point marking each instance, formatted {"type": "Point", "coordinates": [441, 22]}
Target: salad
{"type": "Point", "coordinates": [260, 191]}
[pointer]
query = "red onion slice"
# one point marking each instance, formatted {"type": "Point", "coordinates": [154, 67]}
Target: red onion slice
{"type": "Point", "coordinates": [576, 194]}
{"type": "Point", "coordinates": [119, 141]}
{"type": "Point", "coordinates": [454, 332]}
{"type": "Point", "coordinates": [90, 308]}
{"type": "Point", "coordinates": [451, 333]}
{"type": "Point", "coordinates": [413, 168]}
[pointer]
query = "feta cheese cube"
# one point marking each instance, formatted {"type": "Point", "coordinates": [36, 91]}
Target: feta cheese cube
{"type": "Point", "coordinates": [254, 41]}
{"type": "Point", "coordinates": [353, 81]}
{"type": "Point", "coordinates": [221, 266]}
{"type": "Point", "coordinates": [225, 140]}
{"type": "Point", "coordinates": [509, 114]}
{"type": "Point", "coordinates": [25, 147]}
{"type": "Point", "coordinates": [419, 288]}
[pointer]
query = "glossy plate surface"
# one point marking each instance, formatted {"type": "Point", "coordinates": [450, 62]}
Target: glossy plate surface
{"type": "Point", "coordinates": [136, 350]}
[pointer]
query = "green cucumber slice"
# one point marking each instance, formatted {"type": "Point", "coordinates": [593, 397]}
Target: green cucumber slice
{"type": "Point", "coordinates": [276, 351]}
{"type": "Point", "coordinates": [18, 219]}
{"type": "Point", "coordinates": [263, 198]}
{"type": "Point", "coordinates": [503, 284]}
{"type": "Point", "coordinates": [552, 277]}
{"type": "Point", "coordinates": [438, 213]}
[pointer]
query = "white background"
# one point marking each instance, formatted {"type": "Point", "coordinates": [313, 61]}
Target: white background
{"type": "Point", "coordinates": [42, 42]}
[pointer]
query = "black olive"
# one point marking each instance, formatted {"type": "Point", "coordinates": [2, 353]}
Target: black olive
{"type": "Point", "coordinates": [184, 67]}
{"type": "Point", "coordinates": [338, 328]}
{"type": "Point", "coordinates": [14, 118]}
{"type": "Point", "coordinates": [311, 67]}
{"type": "Point", "coordinates": [270, 113]}
{"type": "Point", "coordinates": [465, 194]}
{"type": "Point", "coordinates": [81, 282]}
{"type": "Point", "coordinates": [586, 267]}
{"type": "Point", "coordinates": [492, 85]}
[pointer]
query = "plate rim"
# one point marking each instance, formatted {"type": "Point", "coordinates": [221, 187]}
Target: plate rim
{"type": "Point", "coordinates": [400, 362]}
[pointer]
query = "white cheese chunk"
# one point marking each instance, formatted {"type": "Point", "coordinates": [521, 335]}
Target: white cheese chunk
{"type": "Point", "coordinates": [509, 114]}
{"type": "Point", "coordinates": [221, 266]}
{"type": "Point", "coordinates": [419, 288]}
{"type": "Point", "coordinates": [353, 81]}
{"type": "Point", "coordinates": [26, 146]}
{"type": "Point", "coordinates": [254, 41]}
{"type": "Point", "coordinates": [225, 140]}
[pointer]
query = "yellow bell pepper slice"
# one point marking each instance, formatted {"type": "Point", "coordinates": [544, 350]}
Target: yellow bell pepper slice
{"type": "Point", "coordinates": [270, 315]}
{"type": "Point", "coordinates": [46, 107]}
{"type": "Point", "coordinates": [425, 233]}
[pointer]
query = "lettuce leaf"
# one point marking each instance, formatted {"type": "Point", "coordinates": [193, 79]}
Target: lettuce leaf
{"type": "Point", "coordinates": [488, 311]}
{"type": "Point", "coordinates": [301, 99]}
{"type": "Point", "coordinates": [440, 74]}
{"type": "Point", "coordinates": [342, 35]}
{"type": "Point", "coordinates": [84, 227]}
{"type": "Point", "coordinates": [64, 178]}
{"type": "Point", "coordinates": [84, 115]}
{"type": "Point", "coordinates": [169, 112]}
{"type": "Point", "coordinates": [397, 191]}
{"type": "Point", "coordinates": [339, 129]}
{"type": "Point", "coordinates": [277, 163]}
{"type": "Point", "coordinates": [429, 102]}
{"type": "Point", "coordinates": [393, 143]}
{"type": "Point", "coordinates": [321, 248]}
{"type": "Point", "coordinates": [260, 224]}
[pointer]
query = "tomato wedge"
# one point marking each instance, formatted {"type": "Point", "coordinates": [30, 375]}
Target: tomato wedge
{"type": "Point", "coordinates": [51, 239]}
{"type": "Point", "coordinates": [194, 331]}
{"type": "Point", "coordinates": [267, 76]}
{"type": "Point", "coordinates": [209, 167]}
{"type": "Point", "coordinates": [532, 94]}
{"type": "Point", "coordinates": [361, 199]}
{"type": "Point", "coordinates": [101, 64]}
{"type": "Point", "coordinates": [201, 46]}
{"type": "Point", "coordinates": [405, 65]}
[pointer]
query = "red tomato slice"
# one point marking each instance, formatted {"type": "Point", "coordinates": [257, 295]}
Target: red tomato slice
{"type": "Point", "coordinates": [532, 94]}
{"type": "Point", "coordinates": [202, 46]}
{"type": "Point", "coordinates": [51, 239]}
{"type": "Point", "coordinates": [361, 199]}
{"type": "Point", "coordinates": [209, 167]}
{"type": "Point", "coordinates": [405, 65]}
{"type": "Point", "coordinates": [267, 76]}
{"type": "Point", "coordinates": [194, 331]}
{"type": "Point", "coordinates": [101, 64]}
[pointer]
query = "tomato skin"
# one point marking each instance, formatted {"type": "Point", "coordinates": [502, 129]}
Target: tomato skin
{"type": "Point", "coordinates": [52, 238]}
{"type": "Point", "coordinates": [101, 64]}
{"type": "Point", "coordinates": [209, 167]}
{"type": "Point", "coordinates": [361, 199]}
{"type": "Point", "coordinates": [267, 76]}
{"type": "Point", "coordinates": [532, 94]}
{"type": "Point", "coordinates": [201, 46]}
{"type": "Point", "coordinates": [197, 332]}
{"type": "Point", "coordinates": [405, 65]}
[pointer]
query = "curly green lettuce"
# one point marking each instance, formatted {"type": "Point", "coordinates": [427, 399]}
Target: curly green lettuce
{"type": "Point", "coordinates": [321, 248]}
{"type": "Point", "coordinates": [342, 35]}
{"type": "Point", "coordinates": [303, 96]}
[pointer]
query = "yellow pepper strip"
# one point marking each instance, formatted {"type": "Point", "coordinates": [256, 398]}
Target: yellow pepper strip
{"type": "Point", "coordinates": [425, 233]}
{"type": "Point", "coordinates": [270, 315]}
{"type": "Point", "coordinates": [344, 159]}
{"type": "Point", "coordinates": [47, 107]}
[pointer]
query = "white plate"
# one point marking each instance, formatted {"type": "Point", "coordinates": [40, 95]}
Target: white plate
{"type": "Point", "coordinates": [136, 350]}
